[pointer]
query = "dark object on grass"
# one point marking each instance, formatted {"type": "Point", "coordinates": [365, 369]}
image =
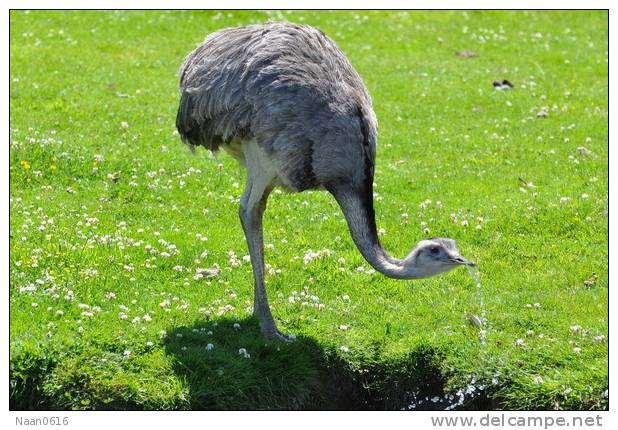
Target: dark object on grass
{"type": "Point", "coordinates": [504, 85]}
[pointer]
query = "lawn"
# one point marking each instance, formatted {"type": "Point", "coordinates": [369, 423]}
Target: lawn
{"type": "Point", "coordinates": [111, 216]}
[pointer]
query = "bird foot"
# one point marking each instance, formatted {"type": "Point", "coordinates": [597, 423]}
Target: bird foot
{"type": "Point", "coordinates": [276, 335]}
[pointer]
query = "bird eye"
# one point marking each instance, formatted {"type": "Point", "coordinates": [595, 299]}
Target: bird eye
{"type": "Point", "coordinates": [434, 250]}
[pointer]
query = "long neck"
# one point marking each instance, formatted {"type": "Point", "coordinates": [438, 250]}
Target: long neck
{"type": "Point", "coordinates": [357, 207]}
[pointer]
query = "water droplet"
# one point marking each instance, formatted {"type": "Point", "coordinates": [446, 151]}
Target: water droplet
{"type": "Point", "coordinates": [481, 321]}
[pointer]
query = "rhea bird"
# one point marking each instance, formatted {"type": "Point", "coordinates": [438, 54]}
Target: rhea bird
{"type": "Point", "coordinates": [285, 101]}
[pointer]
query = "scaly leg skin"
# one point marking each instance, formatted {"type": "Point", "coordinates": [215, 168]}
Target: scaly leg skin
{"type": "Point", "coordinates": [252, 206]}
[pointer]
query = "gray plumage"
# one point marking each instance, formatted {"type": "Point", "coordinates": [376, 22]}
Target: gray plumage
{"type": "Point", "coordinates": [285, 101]}
{"type": "Point", "coordinates": [291, 89]}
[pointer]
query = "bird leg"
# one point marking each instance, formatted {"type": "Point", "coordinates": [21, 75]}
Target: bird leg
{"type": "Point", "coordinates": [252, 206]}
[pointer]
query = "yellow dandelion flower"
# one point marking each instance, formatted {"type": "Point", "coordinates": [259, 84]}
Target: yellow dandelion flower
{"type": "Point", "coordinates": [25, 164]}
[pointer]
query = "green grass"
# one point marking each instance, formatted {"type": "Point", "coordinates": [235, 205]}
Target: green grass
{"type": "Point", "coordinates": [106, 202]}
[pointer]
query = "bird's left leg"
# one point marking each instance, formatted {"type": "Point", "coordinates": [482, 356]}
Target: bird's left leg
{"type": "Point", "coordinates": [252, 206]}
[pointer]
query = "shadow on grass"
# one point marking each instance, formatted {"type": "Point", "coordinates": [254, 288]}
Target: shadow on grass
{"type": "Point", "coordinates": [275, 375]}
{"type": "Point", "coordinates": [208, 373]}
{"type": "Point", "coordinates": [297, 375]}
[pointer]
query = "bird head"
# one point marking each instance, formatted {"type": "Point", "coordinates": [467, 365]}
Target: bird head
{"type": "Point", "coordinates": [434, 256]}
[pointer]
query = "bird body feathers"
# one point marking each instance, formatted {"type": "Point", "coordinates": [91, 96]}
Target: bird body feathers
{"type": "Point", "coordinates": [287, 87]}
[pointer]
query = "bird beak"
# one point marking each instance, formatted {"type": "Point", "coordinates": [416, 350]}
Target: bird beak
{"type": "Point", "coordinates": [463, 261]}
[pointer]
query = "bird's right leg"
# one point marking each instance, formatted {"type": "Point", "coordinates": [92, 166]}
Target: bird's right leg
{"type": "Point", "coordinates": [252, 206]}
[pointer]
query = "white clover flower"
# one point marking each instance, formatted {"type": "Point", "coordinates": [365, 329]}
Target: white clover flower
{"type": "Point", "coordinates": [344, 348]}
{"type": "Point", "coordinates": [343, 327]}
{"type": "Point", "coordinates": [599, 339]}
{"type": "Point", "coordinates": [209, 346]}
{"type": "Point", "coordinates": [165, 303]}
{"type": "Point", "coordinates": [236, 326]}
{"type": "Point", "coordinates": [519, 342]}
{"type": "Point", "coordinates": [243, 352]}
{"type": "Point", "coordinates": [27, 289]}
